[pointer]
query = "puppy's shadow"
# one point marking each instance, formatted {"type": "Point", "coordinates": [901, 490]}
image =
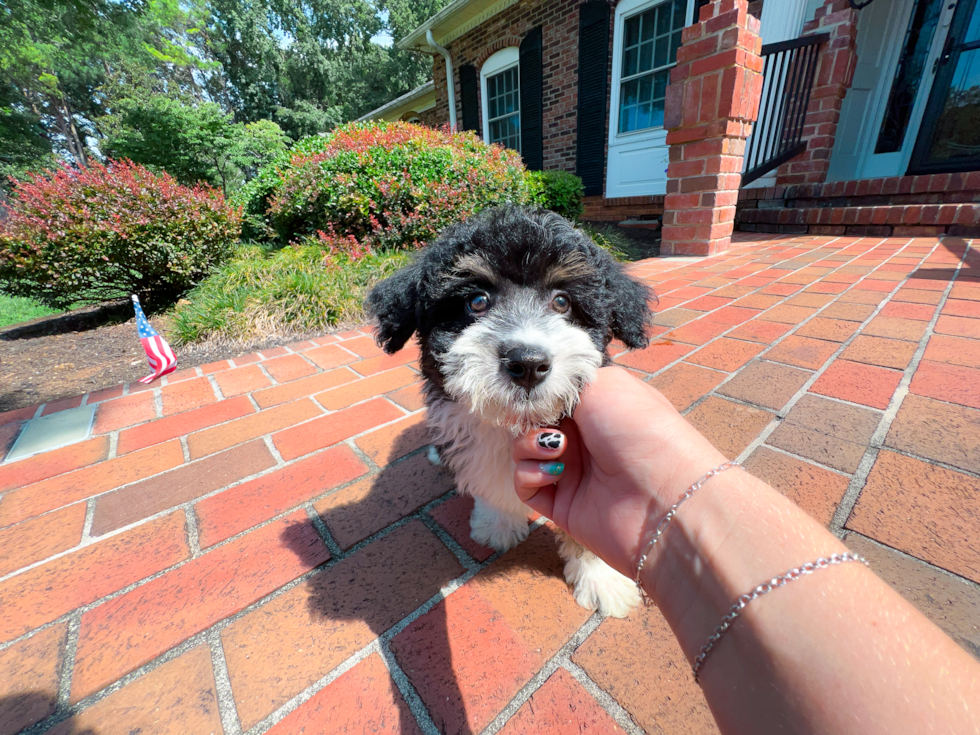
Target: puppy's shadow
{"type": "Point", "coordinates": [370, 591]}
{"type": "Point", "coordinates": [20, 711]}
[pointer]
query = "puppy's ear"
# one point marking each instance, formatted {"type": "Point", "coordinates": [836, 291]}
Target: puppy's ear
{"type": "Point", "coordinates": [628, 300]}
{"type": "Point", "coordinates": [393, 302]}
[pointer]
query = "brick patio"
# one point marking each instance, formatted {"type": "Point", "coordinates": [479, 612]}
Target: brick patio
{"type": "Point", "coordinates": [263, 545]}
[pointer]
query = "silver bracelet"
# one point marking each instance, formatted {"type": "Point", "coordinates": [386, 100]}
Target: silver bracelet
{"type": "Point", "coordinates": [665, 521]}
{"type": "Point", "coordinates": [774, 583]}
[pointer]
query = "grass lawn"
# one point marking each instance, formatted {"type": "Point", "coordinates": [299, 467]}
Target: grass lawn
{"type": "Point", "coordinates": [14, 310]}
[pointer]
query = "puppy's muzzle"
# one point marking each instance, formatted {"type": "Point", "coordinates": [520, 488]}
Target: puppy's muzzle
{"type": "Point", "coordinates": [527, 366]}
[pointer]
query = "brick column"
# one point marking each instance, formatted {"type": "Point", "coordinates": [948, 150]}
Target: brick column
{"type": "Point", "coordinates": [838, 58]}
{"type": "Point", "coordinates": [712, 100]}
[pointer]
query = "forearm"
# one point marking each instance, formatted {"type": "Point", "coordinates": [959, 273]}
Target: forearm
{"type": "Point", "coordinates": [835, 651]}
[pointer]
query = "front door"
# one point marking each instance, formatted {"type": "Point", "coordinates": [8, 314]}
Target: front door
{"type": "Point", "coordinates": [899, 42]}
{"type": "Point", "coordinates": [949, 139]}
{"type": "Point", "coordinates": [645, 39]}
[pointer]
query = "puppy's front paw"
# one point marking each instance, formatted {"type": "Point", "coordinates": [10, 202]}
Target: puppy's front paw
{"type": "Point", "coordinates": [498, 531]}
{"type": "Point", "coordinates": [600, 587]}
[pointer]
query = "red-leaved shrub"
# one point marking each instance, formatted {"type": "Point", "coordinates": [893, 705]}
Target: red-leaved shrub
{"type": "Point", "coordinates": [104, 232]}
{"type": "Point", "coordinates": [391, 185]}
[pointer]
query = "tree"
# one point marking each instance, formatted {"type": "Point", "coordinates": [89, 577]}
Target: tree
{"type": "Point", "coordinates": [191, 141]}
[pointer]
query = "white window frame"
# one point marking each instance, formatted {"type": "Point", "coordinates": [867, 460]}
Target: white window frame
{"type": "Point", "coordinates": [499, 62]}
{"type": "Point", "coordinates": [624, 11]}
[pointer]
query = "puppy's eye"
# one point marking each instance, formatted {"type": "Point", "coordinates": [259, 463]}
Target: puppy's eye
{"type": "Point", "coordinates": [561, 303]}
{"type": "Point", "coordinates": [478, 303]}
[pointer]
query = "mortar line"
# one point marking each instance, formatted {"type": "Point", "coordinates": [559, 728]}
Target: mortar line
{"type": "Point", "coordinates": [817, 463]}
{"type": "Point", "coordinates": [462, 556]}
{"type": "Point", "coordinates": [321, 528]}
{"type": "Point", "coordinates": [910, 558]}
{"type": "Point", "coordinates": [68, 663]}
{"type": "Point", "coordinates": [847, 503]}
{"type": "Point", "coordinates": [378, 535]}
{"type": "Point", "coordinates": [733, 327]}
{"type": "Point", "coordinates": [815, 374]}
{"type": "Point", "coordinates": [615, 710]}
{"type": "Point", "coordinates": [193, 533]}
{"type": "Point", "coordinates": [411, 696]}
{"type": "Point", "coordinates": [215, 387]}
{"type": "Point", "coordinates": [262, 369]}
{"type": "Point", "coordinates": [189, 504]}
{"type": "Point", "coordinates": [543, 674]}
{"type": "Point", "coordinates": [784, 411]}
{"type": "Point", "coordinates": [157, 394]}
{"type": "Point", "coordinates": [227, 710]}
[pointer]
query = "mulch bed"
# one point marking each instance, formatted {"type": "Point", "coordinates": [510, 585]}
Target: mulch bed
{"type": "Point", "coordinates": [85, 350]}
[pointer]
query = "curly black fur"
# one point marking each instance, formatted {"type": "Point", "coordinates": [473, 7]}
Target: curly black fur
{"type": "Point", "coordinates": [520, 245]}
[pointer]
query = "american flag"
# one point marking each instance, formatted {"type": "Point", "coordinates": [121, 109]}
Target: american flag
{"type": "Point", "coordinates": [162, 359]}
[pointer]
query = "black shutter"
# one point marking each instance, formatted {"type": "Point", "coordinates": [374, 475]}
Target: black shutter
{"type": "Point", "coordinates": [593, 72]}
{"type": "Point", "coordinates": [531, 138]}
{"type": "Point", "coordinates": [468, 97]}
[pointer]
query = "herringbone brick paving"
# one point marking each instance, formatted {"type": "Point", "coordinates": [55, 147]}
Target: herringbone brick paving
{"type": "Point", "coordinates": [264, 544]}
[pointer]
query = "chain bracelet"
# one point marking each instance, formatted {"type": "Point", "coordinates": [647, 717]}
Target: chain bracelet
{"type": "Point", "coordinates": [665, 521]}
{"type": "Point", "coordinates": [762, 589]}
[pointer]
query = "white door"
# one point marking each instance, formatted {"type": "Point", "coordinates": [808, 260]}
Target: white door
{"type": "Point", "coordinates": [645, 39]}
{"type": "Point", "coordinates": [898, 44]}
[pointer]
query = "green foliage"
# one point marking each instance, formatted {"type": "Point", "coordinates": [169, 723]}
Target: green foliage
{"type": "Point", "coordinates": [559, 191]}
{"type": "Point", "coordinates": [253, 198]}
{"type": "Point", "coordinates": [311, 64]}
{"type": "Point", "coordinates": [55, 55]}
{"type": "Point", "coordinates": [100, 233]}
{"type": "Point", "coordinates": [14, 310]}
{"type": "Point", "coordinates": [192, 142]}
{"type": "Point", "coordinates": [390, 185]}
{"type": "Point", "coordinates": [66, 66]}
{"type": "Point", "coordinates": [291, 292]}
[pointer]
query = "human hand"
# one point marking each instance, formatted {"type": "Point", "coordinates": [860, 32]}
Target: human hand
{"type": "Point", "coordinates": [627, 456]}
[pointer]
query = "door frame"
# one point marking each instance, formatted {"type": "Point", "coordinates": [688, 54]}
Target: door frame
{"type": "Point", "coordinates": [933, 108]}
{"type": "Point", "coordinates": [880, 165]}
{"type": "Point", "coordinates": [636, 141]}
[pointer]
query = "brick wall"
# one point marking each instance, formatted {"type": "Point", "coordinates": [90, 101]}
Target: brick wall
{"type": "Point", "coordinates": [559, 25]}
{"type": "Point", "coordinates": [838, 59]}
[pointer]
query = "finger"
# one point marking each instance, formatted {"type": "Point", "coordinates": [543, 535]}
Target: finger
{"type": "Point", "coordinates": [530, 475]}
{"type": "Point", "coordinates": [543, 501]}
{"type": "Point", "coordinates": [543, 444]}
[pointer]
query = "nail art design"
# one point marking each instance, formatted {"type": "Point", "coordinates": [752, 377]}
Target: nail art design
{"type": "Point", "coordinates": [550, 440]}
{"type": "Point", "coordinates": [552, 468]}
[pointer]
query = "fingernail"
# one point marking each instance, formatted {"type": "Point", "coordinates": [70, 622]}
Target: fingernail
{"type": "Point", "coordinates": [552, 468]}
{"type": "Point", "coordinates": [551, 440]}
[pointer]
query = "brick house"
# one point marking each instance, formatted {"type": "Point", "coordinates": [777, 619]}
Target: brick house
{"type": "Point", "coordinates": [863, 113]}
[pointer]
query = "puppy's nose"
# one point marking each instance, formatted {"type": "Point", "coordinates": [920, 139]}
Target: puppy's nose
{"type": "Point", "coordinates": [527, 366]}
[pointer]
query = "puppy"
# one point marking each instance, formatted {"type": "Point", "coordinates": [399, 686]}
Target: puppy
{"type": "Point", "coordinates": [514, 310]}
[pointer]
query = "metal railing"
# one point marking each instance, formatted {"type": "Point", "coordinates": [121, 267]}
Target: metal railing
{"type": "Point", "coordinates": [788, 73]}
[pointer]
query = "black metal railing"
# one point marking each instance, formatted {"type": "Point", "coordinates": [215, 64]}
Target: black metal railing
{"type": "Point", "coordinates": [777, 135]}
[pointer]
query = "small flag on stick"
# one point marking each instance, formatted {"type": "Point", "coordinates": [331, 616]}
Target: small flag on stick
{"type": "Point", "coordinates": [162, 359]}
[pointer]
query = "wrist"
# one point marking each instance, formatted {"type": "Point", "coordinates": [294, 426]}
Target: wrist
{"type": "Point", "coordinates": [732, 535]}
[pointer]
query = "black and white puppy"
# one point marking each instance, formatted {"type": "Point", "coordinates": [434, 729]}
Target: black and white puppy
{"type": "Point", "coordinates": [514, 309]}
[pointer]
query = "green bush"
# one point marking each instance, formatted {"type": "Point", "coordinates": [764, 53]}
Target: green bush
{"type": "Point", "coordinates": [77, 236]}
{"type": "Point", "coordinates": [253, 197]}
{"type": "Point", "coordinates": [559, 191]}
{"type": "Point", "coordinates": [299, 290]}
{"type": "Point", "coordinates": [387, 185]}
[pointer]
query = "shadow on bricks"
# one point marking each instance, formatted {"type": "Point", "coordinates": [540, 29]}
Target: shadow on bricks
{"type": "Point", "coordinates": [365, 594]}
{"type": "Point", "coordinates": [23, 710]}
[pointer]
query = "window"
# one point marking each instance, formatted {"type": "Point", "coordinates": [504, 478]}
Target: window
{"type": "Point", "coordinates": [500, 75]}
{"type": "Point", "coordinates": [650, 41]}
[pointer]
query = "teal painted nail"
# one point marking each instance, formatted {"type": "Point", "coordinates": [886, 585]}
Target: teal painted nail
{"type": "Point", "coordinates": [552, 468]}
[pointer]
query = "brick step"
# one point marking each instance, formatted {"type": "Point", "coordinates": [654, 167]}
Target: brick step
{"type": "Point", "coordinates": [925, 189]}
{"type": "Point", "coordinates": [882, 221]}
